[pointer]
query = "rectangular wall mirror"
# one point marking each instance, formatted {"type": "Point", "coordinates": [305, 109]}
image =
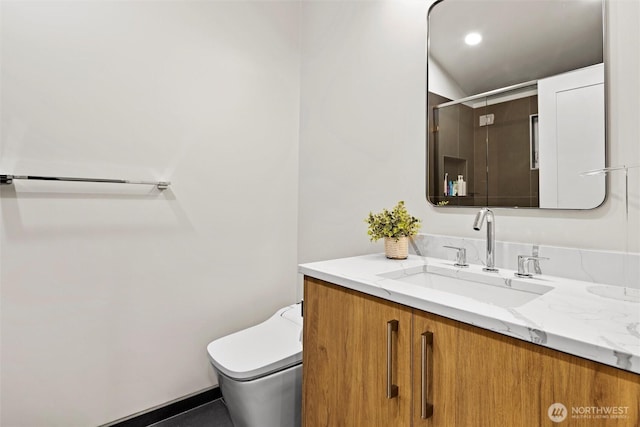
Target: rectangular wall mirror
{"type": "Point", "coordinates": [516, 103]}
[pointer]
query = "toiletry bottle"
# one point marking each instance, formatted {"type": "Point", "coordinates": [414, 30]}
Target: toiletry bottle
{"type": "Point", "coordinates": [455, 188]}
{"type": "Point", "coordinates": [446, 184]}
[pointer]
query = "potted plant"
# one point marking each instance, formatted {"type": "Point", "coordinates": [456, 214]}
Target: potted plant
{"type": "Point", "coordinates": [395, 226]}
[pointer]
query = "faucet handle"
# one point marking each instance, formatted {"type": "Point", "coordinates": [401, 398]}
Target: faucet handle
{"type": "Point", "coordinates": [523, 265]}
{"type": "Point", "coordinates": [461, 256]}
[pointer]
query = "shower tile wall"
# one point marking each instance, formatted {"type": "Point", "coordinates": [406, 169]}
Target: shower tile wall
{"type": "Point", "coordinates": [511, 182]}
{"type": "Point", "coordinates": [463, 147]}
{"type": "Point", "coordinates": [453, 150]}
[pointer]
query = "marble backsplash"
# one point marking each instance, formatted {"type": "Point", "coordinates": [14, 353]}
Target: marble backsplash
{"type": "Point", "coordinates": [606, 267]}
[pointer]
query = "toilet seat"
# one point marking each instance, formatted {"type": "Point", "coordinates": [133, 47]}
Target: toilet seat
{"type": "Point", "coordinates": [268, 347]}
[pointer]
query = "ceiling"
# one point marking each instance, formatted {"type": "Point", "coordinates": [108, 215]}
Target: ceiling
{"type": "Point", "coordinates": [523, 40]}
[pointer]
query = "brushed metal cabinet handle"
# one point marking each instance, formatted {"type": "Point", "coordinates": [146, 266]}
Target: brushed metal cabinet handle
{"type": "Point", "coordinates": [392, 389]}
{"type": "Point", "coordinates": [426, 408]}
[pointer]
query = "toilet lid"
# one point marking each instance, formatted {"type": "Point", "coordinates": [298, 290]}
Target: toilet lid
{"type": "Point", "coordinates": [271, 346]}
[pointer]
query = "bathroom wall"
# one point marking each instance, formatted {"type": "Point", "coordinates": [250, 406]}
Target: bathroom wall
{"type": "Point", "coordinates": [442, 83]}
{"type": "Point", "coordinates": [110, 293]}
{"type": "Point", "coordinates": [362, 124]}
{"type": "Point", "coordinates": [363, 129]}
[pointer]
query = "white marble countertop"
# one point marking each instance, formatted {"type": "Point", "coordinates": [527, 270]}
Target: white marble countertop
{"type": "Point", "coordinates": [571, 317]}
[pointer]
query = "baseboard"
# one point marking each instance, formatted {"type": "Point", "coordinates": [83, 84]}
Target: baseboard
{"type": "Point", "coordinates": [168, 410]}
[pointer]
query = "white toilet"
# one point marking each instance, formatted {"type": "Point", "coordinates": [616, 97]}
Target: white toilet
{"type": "Point", "coordinates": [260, 371]}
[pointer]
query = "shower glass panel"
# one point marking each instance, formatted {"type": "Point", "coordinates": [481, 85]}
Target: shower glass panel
{"type": "Point", "coordinates": [488, 143]}
{"type": "Point", "coordinates": [512, 181]}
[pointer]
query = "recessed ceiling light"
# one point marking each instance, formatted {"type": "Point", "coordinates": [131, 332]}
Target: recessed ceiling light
{"type": "Point", "coordinates": [473, 39]}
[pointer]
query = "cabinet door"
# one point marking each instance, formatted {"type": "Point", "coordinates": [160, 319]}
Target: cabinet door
{"type": "Point", "coordinates": [591, 394]}
{"type": "Point", "coordinates": [345, 360]}
{"type": "Point", "coordinates": [480, 378]}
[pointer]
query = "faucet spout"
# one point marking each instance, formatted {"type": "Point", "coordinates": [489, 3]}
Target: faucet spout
{"type": "Point", "coordinates": [481, 216]}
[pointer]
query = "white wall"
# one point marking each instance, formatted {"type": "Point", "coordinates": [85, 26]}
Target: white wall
{"type": "Point", "coordinates": [362, 134]}
{"type": "Point", "coordinates": [362, 120]}
{"type": "Point", "coordinates": [441, 83]}
{"type": "Point", "coordinates": [110, 293]}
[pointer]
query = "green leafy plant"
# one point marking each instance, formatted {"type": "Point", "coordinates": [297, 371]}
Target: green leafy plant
{"type": "Point", "coordinates": [393, 224]}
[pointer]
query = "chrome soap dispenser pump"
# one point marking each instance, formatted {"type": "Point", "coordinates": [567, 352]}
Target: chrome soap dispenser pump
{"type": "Point", "coordinates": [491, 237]}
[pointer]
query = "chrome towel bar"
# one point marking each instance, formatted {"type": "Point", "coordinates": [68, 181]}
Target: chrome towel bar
{"type": "Point", "coordinates": [8, 179]}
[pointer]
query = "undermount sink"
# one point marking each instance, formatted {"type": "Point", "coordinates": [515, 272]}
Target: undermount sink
{"type": "Point", "coordinates": [485, 287]}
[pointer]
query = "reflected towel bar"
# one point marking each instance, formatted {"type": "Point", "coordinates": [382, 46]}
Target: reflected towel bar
{"type": "Point", "coordinates": [609, 169]}
{"type": "Point", "coordinates": [606, 170]}
{"type": "Point", "coordinates": [487, 94]}
{"type": "Point", "coordinates": [8, 179]}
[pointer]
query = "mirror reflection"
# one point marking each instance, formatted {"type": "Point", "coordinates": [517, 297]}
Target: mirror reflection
{"type": "Point", "coordinates": [516, 108]}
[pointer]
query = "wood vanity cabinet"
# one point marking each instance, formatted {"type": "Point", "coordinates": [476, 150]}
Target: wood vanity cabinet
{"type": "Point", "coordinates": [345, 363]}
{"type": "Point", "coordinates": [451, 372]}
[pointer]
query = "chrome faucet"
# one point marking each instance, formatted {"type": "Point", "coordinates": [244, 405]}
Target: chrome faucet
{"type": "Point", "coordinates": [523, 264]}
{"type": "Point", "coordinates": [461, 256]}
{"type": "Point", "coordinates": [491, 236]}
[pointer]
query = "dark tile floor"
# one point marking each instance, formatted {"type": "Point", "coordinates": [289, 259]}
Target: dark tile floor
{"type": "Point", "coordinates": [212, 414]}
